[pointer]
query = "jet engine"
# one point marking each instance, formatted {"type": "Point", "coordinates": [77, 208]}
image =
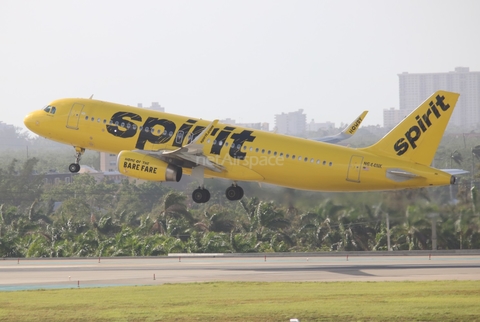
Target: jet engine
{"type": "Point", "coordinates": [145, 167]}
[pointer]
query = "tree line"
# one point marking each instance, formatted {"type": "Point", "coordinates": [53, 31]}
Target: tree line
{"type": "Point", "coordinates": [90, 218]}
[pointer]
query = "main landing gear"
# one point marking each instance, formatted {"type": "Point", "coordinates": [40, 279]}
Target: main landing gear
{"type": "Point", "coordinates": [75, 167]}
{"type": "Point", "coordinates": [202, 195]}
{"type": "Point", "coordinates": [234, 192]}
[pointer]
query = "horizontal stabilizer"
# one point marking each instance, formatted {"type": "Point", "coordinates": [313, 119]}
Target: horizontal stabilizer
{"type": "Point", "coordinates": [400, 175]}
{"type": "Point", "coordinates": [455, 172]}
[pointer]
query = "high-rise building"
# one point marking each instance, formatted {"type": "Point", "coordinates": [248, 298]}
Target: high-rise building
{"type": "Point", "coordinates": [392, 116]}
{"type": "Point", "coordinates": [415, 88]}
{"type": "Point", "coordinates": [292, 123]}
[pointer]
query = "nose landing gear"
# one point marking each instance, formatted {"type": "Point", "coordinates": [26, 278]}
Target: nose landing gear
{"type": "Point", "coordinates": [75, 167]}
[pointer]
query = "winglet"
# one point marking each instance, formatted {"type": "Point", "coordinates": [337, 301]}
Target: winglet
{"type": "Point", "coordinates": [416, 138]}
{"type": "Point", "coordinates": [348, 132]}
{"type": "Point", "coordinates": [353, 127]}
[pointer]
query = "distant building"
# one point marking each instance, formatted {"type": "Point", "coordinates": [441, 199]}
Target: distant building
{"type": "Point", "coordinates": [292, 123]}
{"type": "Point", "coordinates": [108, 162]}
{"type": "Point", "coordinates": [256, 126]}
{"type": "Point", "coordinates": [392, 117]}
{"type": "Point", "coordinates": [67, 177]}
{"type": "Point", "coordinates": [314, 127]}
{"type": "Point", "coordinates": [415, 88]}
{"type": "Point", "coordinates": [155, 106]}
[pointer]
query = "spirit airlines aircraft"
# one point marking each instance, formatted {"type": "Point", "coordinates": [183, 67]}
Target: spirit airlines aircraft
{"type": "Point", "coordinates": [162, 147]}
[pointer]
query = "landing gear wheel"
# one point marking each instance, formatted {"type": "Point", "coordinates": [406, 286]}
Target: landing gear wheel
{"type": "Point", "coordinates": [74, 167]}
{"type": "Point", "coordinates": [234, 193]}
{"type": "Point", "coordinates": [201, 195]}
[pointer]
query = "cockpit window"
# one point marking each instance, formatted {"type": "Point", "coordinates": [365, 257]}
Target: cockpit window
{"type": "Point", "coordinates": [50, 109]}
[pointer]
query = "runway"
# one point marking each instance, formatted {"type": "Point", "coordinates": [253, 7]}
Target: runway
{"type": "Point", "coordinates": [24, 274]}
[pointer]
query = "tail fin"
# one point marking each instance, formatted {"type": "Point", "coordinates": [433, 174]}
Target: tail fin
{"type": "Point", "coordinates": [417, 137]}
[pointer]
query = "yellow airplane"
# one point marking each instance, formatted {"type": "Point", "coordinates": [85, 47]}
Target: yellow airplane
{"type": "Point", "coordinates": [162, 147]}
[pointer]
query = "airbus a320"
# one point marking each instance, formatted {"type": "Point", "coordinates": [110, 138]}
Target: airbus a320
{"type": "Point", "coordinates": [163, 147]}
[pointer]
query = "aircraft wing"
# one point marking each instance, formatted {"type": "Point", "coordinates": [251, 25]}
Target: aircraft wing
{"type": "Point", "coordinates": [348, 132]}
{"type": "Point", "coordinates": [190, 155]}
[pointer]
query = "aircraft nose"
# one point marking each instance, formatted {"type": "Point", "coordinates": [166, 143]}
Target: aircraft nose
{"type": "Point", "coordinates": [31, 121]}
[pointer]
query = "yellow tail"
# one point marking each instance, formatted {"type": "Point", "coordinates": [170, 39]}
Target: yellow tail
{"type": "Point", "coordinates": [417, 137]}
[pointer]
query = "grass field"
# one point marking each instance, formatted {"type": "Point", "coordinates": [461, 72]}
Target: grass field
{"type": "Point", "coordinates": [342, 301]}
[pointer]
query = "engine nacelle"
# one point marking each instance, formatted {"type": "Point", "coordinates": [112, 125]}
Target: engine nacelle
{"type": "Point", "coordinates": [145, 167]}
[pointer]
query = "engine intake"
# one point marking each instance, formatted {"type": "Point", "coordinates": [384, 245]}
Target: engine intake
{"type": "Point", "coordinates": [145, 167]}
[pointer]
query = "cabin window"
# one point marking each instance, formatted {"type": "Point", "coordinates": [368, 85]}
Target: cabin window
{"type": "Point", "coordinates": [93, 119]}
{"type": "Point", "coordinates": [170, 133]}
{"type": "Point", "coordinates": [256, 150]}
{"type": "Point", "coordinates": [281, 154]}
{"type": "Point", "coordinates": [263, 151]}
{"type": "Point", "coordinates": [226, 143]}
{"type": "Point", "coordinates": [293, 156]}
{"type": "Point", "coordinates": [306, 159]}
{"type": "Point", "coordinates": [147, 129]}
{"type": "Point", "coordinates": [129, 125]}
{"type": "Point", "coordinates": [134, 126]}
{"type": "Point", "coordinates": [318, 161]}
{"type": "Point", "coordinates": [287, 156]}
{"type": "Point", "coordinates": [98, 120]}
{"type": "Point", "coordinates": [269, 151]}
{"type": "Point", "coordinates": [239, 147]}
{"type": "Point", "coordinates": [251, 148]}
{"type": "Point", "coordinates": [116, 123]}
{"type": "Point", "coordinates": [324, 162]}
{"type": "Point", "coordinates": [330, 164]}
{"type": "Point", "coordinates": [275, 153]}
{"type": "Point", "coordinates": [86, 118]}
{"type": "Point", "coordinates": [220, 143]}
{"type": "Point", "coordinates": [122, 124]}
{"type": "Point", "coordinates": [208, 140]}
{"type": "Point", "coordinates": [104, 121]}
{"type": "Point", "coordinates": [244, 147]}
{"type": "Point", "coordinates": [299, 158]}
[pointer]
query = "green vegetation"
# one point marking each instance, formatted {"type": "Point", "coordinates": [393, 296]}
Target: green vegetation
{"type": "Point", "coordinates": [149, 219]}
{"type": "Point", "coordinates": [90, 218]}
{"type": "Point", "coordinates": [346, 301]}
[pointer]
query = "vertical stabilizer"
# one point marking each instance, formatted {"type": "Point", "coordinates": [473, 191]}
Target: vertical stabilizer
{"type": "Point", "coordinates": [417, 137]}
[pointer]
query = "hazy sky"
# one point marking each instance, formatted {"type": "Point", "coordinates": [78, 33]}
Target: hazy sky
{"type": "Point", "coordinates": [246, 60]}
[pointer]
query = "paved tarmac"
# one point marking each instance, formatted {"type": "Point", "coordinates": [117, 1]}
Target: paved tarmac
{"type": "Point", "coordinates": [25, 274]}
